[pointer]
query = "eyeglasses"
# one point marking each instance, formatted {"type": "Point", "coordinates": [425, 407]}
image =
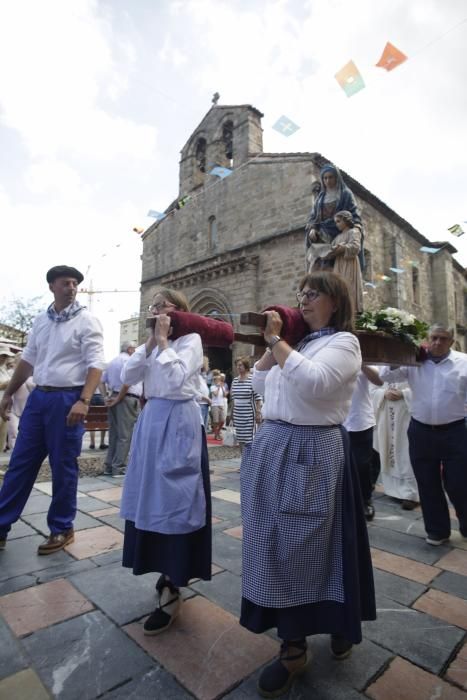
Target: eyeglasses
{"type": "Point", "coordinates": [310, 295]}
{"type": "Point", "coordinates": [160, 305]}
{"type": "Point", "coordinates": [440, 337]}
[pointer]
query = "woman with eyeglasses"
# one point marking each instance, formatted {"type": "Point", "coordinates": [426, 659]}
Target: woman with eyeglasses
{"type": "Point", "coordinates": [166, 499]}
{"type": "Point", "coordinates": [306, 561]}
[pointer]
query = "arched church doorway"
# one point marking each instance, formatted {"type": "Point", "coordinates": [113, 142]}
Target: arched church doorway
{"type": "Point", "coordinates": [211, 302]}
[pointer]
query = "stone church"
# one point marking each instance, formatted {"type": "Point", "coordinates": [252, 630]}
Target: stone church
{"type": "Point", "coordinates": [237, 244]}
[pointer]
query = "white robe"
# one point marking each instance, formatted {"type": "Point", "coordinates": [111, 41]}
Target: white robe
{"type": "Point", "coordinates": [390, 440]}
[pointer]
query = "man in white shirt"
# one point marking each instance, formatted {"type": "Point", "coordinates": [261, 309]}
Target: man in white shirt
{"type": "Point", "coordinates": [124, 406]}
{"type": "Point", "coordinates": [437, 432]}
{"type": "Point", "coordinates": [64, 354]}
{"type": "Point", "coordinates": [359, 425]}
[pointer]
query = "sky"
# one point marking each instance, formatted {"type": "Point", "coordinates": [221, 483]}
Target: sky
{"type": "Point", "coordinates": [97, 98]}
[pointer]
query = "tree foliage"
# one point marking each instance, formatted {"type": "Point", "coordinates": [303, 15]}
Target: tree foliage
{"type": "Point", "coordinates": [20, 314]}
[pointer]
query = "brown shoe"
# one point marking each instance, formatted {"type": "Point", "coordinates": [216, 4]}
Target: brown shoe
{"type": "Point", "coordinates": [408, 505]}
{"type": "Point", "coordinates": [56, 542]}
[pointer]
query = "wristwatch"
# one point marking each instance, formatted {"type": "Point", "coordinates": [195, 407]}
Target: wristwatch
{"type": "Point", "coordinates": [85, 401]}
{"type": "Point", "coordinates": [274, 339]}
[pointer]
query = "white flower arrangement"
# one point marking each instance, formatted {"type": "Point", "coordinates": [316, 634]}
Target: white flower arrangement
{"type": "Point", "coordinates": [395, 322]}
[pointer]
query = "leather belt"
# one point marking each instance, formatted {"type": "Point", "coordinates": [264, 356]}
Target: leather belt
{"type": "Point", "coordinates": [60, 388]}
{"type": "Point", "coordinates": [444, 426]}
{"type": "Point", "coordinates": [133, 396]}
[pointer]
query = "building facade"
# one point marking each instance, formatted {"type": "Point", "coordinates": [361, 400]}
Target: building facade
{"type": "Point", "coordinates": [129, 330]}
{"type": "Point", "coordinates": [237, 244]}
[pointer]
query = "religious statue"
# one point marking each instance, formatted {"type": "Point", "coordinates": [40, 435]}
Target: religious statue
{"type": "Point", "coordinates": [321, 230]}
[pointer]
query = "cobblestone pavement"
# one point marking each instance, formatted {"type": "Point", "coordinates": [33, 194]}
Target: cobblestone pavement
{"type": "Point", "coordinates": [71, 622]}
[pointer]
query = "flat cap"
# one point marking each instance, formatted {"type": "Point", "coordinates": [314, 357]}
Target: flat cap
{"type": "Point", "coordinates": [5, 350]}
{"type": "Point", "coordinates": [63, 271]}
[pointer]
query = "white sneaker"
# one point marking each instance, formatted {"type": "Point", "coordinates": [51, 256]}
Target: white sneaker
{"type": "Point", "coordinates": [436, 543]}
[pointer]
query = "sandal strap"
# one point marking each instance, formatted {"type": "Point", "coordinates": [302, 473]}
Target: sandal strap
{"type": "Point", "coordinates": [169, 602]}
{"type": "Point", "coordinates": [300, 644]}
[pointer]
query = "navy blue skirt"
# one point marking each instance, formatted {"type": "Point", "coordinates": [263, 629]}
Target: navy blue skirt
{"type": "Point", "coordinates": [180, 557]}
{"type": "Point", "coordinates": [329, 617]}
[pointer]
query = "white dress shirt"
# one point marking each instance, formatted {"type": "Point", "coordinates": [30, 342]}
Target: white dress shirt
{"type": "Point", "coordinates": [170, 374]}
{"type": "Point", "coordinates": [62, 353]}
{"type": "Point", "coordinates": [439, 390]}
{"type": "Point", "coordinates": [361, 415]}
{"type": "Point", "coordinates": [315, 385]}
{"type": "Point", "coordinates": [113, 375]}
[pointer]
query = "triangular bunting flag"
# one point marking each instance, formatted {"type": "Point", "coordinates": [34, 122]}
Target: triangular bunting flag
{"type": "Point", "coordinates": [391, 57]}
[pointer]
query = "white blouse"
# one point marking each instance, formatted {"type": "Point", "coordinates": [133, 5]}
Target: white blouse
{"type": "Point", "coordinates": [315, 385]}
{"type": "Point", "coordinates": [170, 374]}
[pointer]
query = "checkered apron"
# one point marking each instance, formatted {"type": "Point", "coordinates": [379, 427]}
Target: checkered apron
{"type": "Point", "coordinates": [291, 479]}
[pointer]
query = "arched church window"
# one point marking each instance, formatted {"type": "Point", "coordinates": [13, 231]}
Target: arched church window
{"type": "Point", "coordinates": [415, 286]}
{"type": "Point", "coordinates": [212, 233]}
{"type": "Point", "coordinates": [368, 266]}
{"type": "Point", "coordinates": [227, 138]}
{"type": "Point", "coordinates": [201, 155]}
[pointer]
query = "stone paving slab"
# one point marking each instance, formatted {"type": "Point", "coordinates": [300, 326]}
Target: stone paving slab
{"type": "Point", "coordinates": [236, 532]}
{"type": "Point", "coordinates": [12, 658]}
{"type": "Point", "coordinates": [37, 504]}
{"type": "Point", "coordinates": [416, 636]}
{"type": "Point", "coordinates": [20, 557]}
{"type": "Point", "coordinates": [156, 684]}
{"type": "Point", "coordinates": [114, 520]}
{"type": "Point", "coordinates": [39, 522]}
{"type": "Point", "coordinates": [444, 606]}
{"type": "Point", "coordinates": [396, 588]}
{"type": "Point", "coordinates": [405, 681]}
{"type": "Point", "coordinates": [84, 657]}
{"type": "Point", "coordinates": [25, 685]}
{"type": "Point", "coordinates": [120, 595]}
{"type": "Point", "coordinates": [97, 540]}
{"type": "Point", "coordinates": [227, 495]}
{"type": "Point", "coordinates": [225, 510]}
{"type": "Point", "coordinates": [451, 583]}
{"type": "Point", "coordinates": [401, 566]}
{"type": "Point", "coordinates": [225, 590]}
{"type": "Point", "coordinates": [405, 545]}
{"type": "Point", "coordinates": [227, 552]}
{"type": "Point", "coordinates": [71, 566]}
{"type": "Point", "coordinates": [455, 561]}
{"type": "Point", "coordinates": [111, 510]}
{"type": "Point", "coordinates": [41, 606]}
{"type": "Point", "coordinates": [20, 529]}
{"type": "Point", "coordinates": [93, 484]}
{"type": "Point", "coordinates": [457, 671]}
{"type": "Point", "coordinates": [108, 495]}
{"type": "Point", "coordinates": [206, 649]}
{"type": "Point", "coordinates": [88, 504]}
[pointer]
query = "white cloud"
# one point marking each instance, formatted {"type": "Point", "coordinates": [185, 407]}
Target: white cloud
{"type": "Point", "coordinates": [51, 93]}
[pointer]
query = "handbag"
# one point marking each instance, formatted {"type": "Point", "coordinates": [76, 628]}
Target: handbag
{"type": "Point", "coordinates": [230, 437]}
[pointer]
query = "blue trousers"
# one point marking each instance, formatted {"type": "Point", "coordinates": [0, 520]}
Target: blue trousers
{"type": "Point", "coordinates": [43, 431]}
{"type": "Point", "coordinates": [429, 449]}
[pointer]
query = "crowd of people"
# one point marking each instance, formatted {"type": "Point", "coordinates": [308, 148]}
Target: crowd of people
{"type": "Point", "coordinates": [310, 419]}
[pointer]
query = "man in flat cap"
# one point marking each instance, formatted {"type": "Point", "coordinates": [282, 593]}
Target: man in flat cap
{"type": "Point", "coordinates": [5, 376]}
{"type": "Point", "coordinates": [64, 354]}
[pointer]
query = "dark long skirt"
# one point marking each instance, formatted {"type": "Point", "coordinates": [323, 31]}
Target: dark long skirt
{"type": "Point", "coordinates": [181, 557]}
{"type": "Point", "coordinates": [329, 617]}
